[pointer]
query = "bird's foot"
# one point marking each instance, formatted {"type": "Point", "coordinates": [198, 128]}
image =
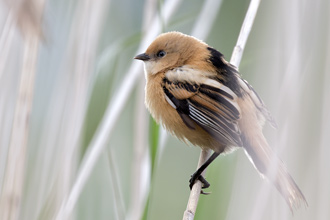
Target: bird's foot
{"type": "Point", "coordinates": [195, 177]}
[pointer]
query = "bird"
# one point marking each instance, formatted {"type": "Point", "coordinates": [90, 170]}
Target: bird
{"type": "Point", "coordinates": [200, 98]}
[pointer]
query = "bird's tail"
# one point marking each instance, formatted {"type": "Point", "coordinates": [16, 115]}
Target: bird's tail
{"type": "Point", "coordinates": [269, 165]}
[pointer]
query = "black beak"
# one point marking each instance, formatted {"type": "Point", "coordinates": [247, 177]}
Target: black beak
{"type": "Point", "coordinates": [142, 56]}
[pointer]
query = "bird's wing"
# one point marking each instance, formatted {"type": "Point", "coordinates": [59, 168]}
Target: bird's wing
{"type": "Point", "coordinates": [211, 105]}
{"type": "Point", "coordinates": [231, 78]}
{"type": "Point", "coordinates": [257, 101]}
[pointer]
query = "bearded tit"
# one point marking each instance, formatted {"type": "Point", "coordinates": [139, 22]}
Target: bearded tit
{"type": "Point", "coordinates": [201, 98]}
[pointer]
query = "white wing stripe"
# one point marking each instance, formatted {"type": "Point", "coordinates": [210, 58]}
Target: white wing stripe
{"type": "Point", "coordinates": [169, 101]}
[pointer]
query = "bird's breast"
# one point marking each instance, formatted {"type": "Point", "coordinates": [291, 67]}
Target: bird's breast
{"type": "Point", "coordinates": [157, 105]}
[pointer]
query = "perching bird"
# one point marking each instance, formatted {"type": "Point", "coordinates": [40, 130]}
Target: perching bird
{"type": "Point", "coordinates": [201, 98]}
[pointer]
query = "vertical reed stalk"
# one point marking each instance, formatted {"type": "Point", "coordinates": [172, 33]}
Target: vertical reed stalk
{"type": "Point", "coordinates": [15, 170]}
{"type": "Point", "coordinates": [189, 213]}
{"type": "Point", "coordinates": [28, 21]}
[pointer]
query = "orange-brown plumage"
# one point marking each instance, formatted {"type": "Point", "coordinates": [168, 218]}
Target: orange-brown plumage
{"type": "Point", "coordinates": [165, 114]}
{"type": "Point", "coordinates": [199, 97]}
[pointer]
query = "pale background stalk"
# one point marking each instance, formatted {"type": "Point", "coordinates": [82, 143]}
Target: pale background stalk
{"type": "Point", "coordinates": [235, 60]}
{"type": "Point", "coordinates": [15, 162]}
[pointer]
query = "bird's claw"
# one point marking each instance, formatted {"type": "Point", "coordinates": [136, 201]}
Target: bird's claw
{"type": "Point", "coordinates": [205, 185]}
{"type": "Point", "coordinates": [205, 193]}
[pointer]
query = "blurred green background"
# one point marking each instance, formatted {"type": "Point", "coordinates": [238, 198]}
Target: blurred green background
{"type": "Point", "coordinates": [84, 51]}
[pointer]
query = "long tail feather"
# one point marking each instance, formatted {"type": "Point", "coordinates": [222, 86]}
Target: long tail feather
{"type": "Point", "coordinates": [269, 165]}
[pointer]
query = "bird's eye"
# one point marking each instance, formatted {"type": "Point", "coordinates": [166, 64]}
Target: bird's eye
{"type": "Point", "coordinates": [161, 53]}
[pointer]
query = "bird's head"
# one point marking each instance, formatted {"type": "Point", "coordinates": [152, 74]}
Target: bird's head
{"type": "Point", "coordinates": [170, 50]}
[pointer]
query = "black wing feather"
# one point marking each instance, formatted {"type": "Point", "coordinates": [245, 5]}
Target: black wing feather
{"type": "Point", "coordinates": [216, 115]}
